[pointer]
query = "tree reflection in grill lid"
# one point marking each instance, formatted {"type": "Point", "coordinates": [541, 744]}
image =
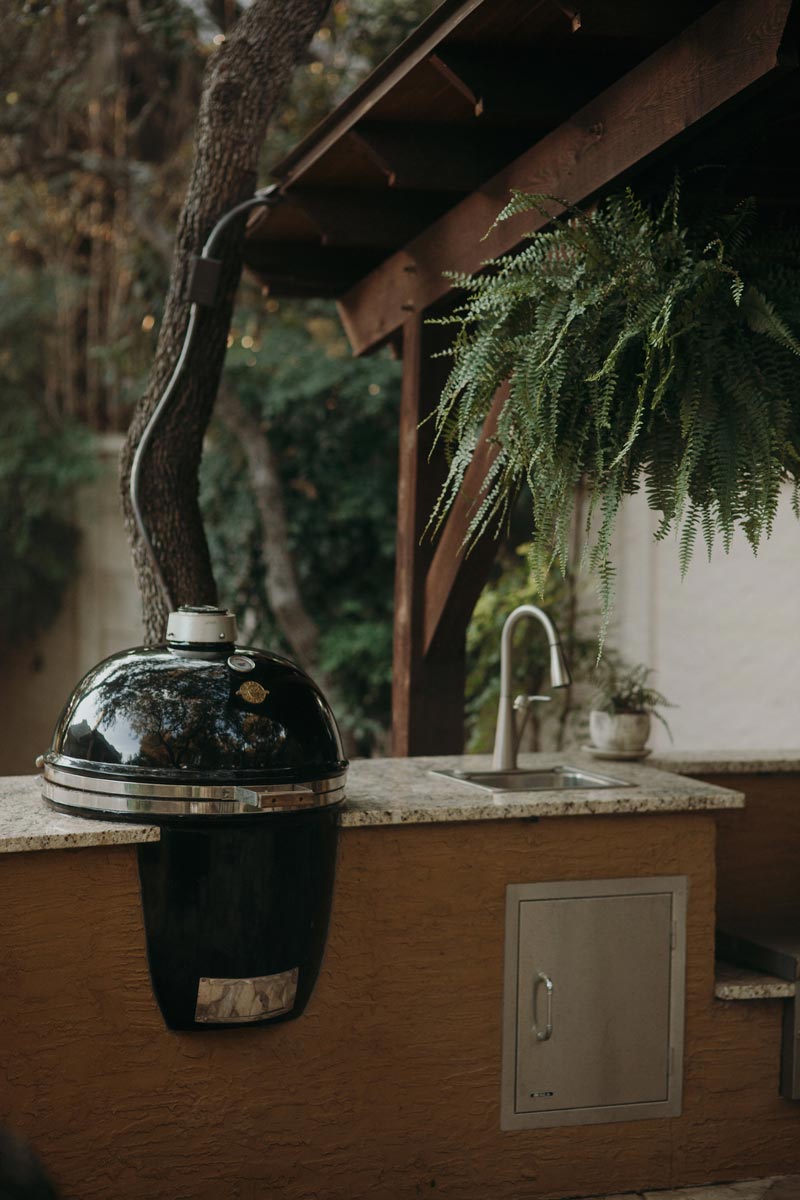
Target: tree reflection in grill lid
{"type": "Point", "coordinates": [227, 714]}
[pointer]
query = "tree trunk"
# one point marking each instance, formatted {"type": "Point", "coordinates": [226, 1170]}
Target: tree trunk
{"type": "Point", "coordinates": [244, 80]}
{"type": "Point", "coordinates": [283, 590]}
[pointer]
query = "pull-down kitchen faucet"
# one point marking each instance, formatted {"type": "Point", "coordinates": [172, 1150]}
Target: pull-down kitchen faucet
{"type": "Point", "coordinates": [506, 739]}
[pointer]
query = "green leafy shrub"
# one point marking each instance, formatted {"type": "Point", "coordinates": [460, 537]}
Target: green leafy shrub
{"type": "Point", "coordinates": [643, 348]}
{"type": "Point", "coordinates": [43, 458]}
{"type": "Point", "coordinates": [40, 466]}
{"type": "Point", "coordinates": [332, 423]}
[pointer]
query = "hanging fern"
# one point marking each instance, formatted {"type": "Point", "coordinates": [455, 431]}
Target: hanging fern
{"type": "Point", "coordinates": [640, 351]}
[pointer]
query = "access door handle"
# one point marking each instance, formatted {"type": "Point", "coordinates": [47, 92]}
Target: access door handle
{"type": "Point", "coordinates": [543, 1035]}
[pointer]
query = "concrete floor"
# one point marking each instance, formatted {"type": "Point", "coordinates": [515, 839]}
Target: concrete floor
{"type": "Point", "coordinates": [785, 1187]}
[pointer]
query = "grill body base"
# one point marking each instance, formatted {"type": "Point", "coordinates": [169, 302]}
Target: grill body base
{"type": "Point", "coordinates": [242, 905]}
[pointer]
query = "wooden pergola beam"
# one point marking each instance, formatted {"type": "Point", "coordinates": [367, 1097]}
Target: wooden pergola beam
{"type": "Point", "coordinates": [458, 570]}
{"type": "Point", "coordinates": [734, 47]}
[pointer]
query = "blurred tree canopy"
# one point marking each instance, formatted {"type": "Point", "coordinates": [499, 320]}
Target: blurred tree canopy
{"type": "Point", "coordinates": [97, 108]}
{"type": "Point", "coordinates": [42, 458]}
{"type": "Point", "coordinates": [332, 424]}
{"type": "Point", "coordinates": [96, 105]}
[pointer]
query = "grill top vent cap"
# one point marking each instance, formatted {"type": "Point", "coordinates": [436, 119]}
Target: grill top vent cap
{"type": "Point", "coordinates": [201, 625]}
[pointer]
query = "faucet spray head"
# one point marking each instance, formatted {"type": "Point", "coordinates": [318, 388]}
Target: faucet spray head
{"type": "Point", "coordinates": [559, 671]}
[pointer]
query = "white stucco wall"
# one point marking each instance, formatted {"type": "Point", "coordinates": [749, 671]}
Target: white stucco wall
{"type": "Point", "coordinates": [725, 642]}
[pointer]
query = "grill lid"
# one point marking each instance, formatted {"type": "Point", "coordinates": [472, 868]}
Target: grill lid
{"type": "Point", "coordinates": [197, 726]}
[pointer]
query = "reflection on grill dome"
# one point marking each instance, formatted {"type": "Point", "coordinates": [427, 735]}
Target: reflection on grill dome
{"type": "Point", "coordinates": [167, 711]}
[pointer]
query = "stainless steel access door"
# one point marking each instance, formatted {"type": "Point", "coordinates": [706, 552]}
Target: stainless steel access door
{"type": "Point", "coordinates": [597, 998]}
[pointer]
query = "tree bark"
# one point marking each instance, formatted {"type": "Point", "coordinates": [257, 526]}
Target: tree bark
{"type": "Point", "coordinates": [244, 80]}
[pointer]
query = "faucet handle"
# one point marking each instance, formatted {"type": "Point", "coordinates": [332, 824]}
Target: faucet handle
{"type": "Point", "coordinates": [524, 702]}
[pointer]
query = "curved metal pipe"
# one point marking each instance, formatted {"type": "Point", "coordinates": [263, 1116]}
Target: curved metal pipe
{"type": "Point", "coordinates": [268, 197]}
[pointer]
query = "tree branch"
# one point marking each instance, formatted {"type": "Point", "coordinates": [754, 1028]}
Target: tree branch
{"type": "Point", "coordinates": [283, 590]}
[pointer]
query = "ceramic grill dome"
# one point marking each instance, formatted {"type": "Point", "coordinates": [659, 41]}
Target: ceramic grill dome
{"type": "Point", "coordinates": [196, 726]}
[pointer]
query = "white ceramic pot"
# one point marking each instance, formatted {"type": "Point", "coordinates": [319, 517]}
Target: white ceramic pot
{"type": "Point", "coordinates": [619, 731]}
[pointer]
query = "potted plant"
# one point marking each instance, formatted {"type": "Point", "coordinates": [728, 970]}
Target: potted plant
{"type": "Point", "coordinates": [619, 720]}
{"type": "Point", "coordinates": [643, 347]}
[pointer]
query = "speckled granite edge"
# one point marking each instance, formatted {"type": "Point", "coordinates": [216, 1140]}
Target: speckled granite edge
{"type": "Point", "coordinates": [402, 791]}
{"type": "Point", "coordinates": [27, 823]}
{"type": "Point", "coordinates": [728, 762]}
{"type": "Point", "coordinates": [394, 791]}
{"type": "Point", "coordinates": [741, 983]}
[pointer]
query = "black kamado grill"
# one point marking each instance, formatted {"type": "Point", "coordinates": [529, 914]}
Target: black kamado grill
{"type": "Point", "coordinates": [235, 754]}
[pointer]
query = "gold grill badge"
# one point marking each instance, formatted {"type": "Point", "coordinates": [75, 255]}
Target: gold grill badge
{"type": "Point", "coordinates": [252, 692]}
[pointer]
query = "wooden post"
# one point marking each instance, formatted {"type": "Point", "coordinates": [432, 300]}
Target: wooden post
{"type": "Point", "coordinates": [428, 664]}
{"type": "Point", "coordinates": [427, 692]}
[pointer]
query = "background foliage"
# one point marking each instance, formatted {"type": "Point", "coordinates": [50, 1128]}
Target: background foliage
{"type": "Point", "coordinates": [97, 107]}
{"type": "Point", "coordinates": [96, 114]}
{"type": "Point", "coordinates": [43, 457]}
{"type": "Point", "coordinates": [561, 722]}
{"type": "Point", "coordinates": [332, 422]}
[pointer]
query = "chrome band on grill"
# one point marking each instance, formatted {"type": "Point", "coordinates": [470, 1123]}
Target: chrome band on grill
{"type": "Point", "coordinates": [71, 790]}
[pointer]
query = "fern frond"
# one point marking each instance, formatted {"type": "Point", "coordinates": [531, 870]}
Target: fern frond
{"type": "Point", "coordinates": [638, 350]}
{"type": "Point", "coordinates": [762, 317]}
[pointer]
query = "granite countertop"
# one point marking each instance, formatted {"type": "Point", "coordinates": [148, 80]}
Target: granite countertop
{"type": "Point", "coordinates": [394, 791]}
{"type": "Point", "coordinates": [27, 823]}
{"type": "Point", "coordinates": [727, 762]}
{"type": "Point", "coordinates": [399, 791]}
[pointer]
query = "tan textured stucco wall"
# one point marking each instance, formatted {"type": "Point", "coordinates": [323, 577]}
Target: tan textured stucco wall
{"type": "Point", "coordinates": [389, 1086]}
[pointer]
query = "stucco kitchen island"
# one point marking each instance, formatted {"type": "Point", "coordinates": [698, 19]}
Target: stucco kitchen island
{"type": "Point", "coordinates": [389, 1085]}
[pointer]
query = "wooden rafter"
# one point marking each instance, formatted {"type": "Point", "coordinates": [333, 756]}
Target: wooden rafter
{"type": "Point", "coordinates": [736, 46]}
{"type": "Point", "coordinates": [368, 218]}
{"type": "Point", "coordinates": [413, 51]}
{"type": "Point", "coordinates": [306, 269]}
{"type": "Point", "coordinates": [518, 87]}
{"type": "Point", "coordinates": [435, 158]}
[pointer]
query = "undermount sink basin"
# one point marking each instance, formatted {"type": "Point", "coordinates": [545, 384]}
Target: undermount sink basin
{"type": "Point", "coordinates": [553, 779]}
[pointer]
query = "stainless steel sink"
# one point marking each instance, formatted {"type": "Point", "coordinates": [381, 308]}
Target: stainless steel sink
{"type": "Point", "coordinates": [553, 779]}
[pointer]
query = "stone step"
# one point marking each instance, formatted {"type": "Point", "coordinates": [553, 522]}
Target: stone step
{"type": "Point", "coordinates": [742, 983]}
